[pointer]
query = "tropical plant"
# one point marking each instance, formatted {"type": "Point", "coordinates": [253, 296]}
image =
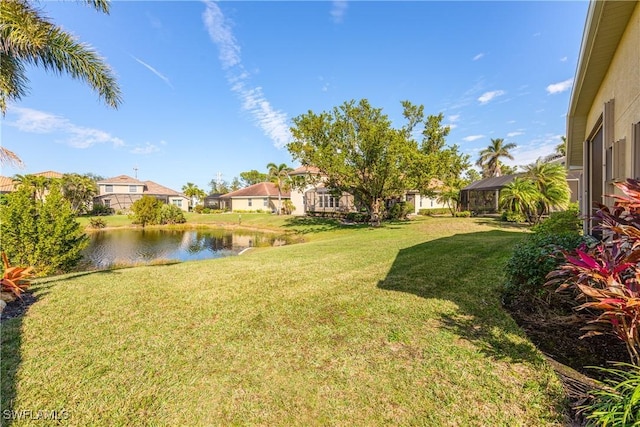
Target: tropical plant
{"type": "Point", "coordinates": [38, 185]}
{"type": "Point", "coordinates": [170, 214]}
{"type": "Point", "coordinates": [288, 207]}
{"type": "Point", "coordinates": [193, 192]}
{"type": "Point", "coordinates": [79, 190]}
{"type": "Point", "coordinates": [489, 159]}
{"type": "Point", "coordinates": [520, 196]}
{"type": "Point", "coordinates": [605, 277]}
{"type": "Point", "coordinates": [617, 404]}
{"type": "Point", "coordinates": [279, 176]}
{"type": "Point", "coordinates": [551, 181]}
{"type": "Point", "coordinates": [568, 221]}
{"type": "Point", "coordinates": [30, 39]}
{"type": "Point", "coordinates": [14, 281]}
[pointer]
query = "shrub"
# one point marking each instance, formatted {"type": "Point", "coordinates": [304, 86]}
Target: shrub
{"type": "Point", "coordinates": [604, 277]}
{"type": "Point", "coordinates": [619, 404]}
{"type": "Point", "coordinates": [198, 209]}
{"type": "Point", "coordinates": [170, 214]}
{"type": "Point", "coordinates": [14, 281]}
{"type": "Point", "coordinates": [534, 257]}
{"type": "Point", "coordinates": [568, 221]}
{"type": "Point", "coordinates": [146, 210]}
{"type": "Point", "coordinates": [510, 216]}
{"type": "Point", "coordinates": [43, 234]}
{"type": "Point", "coordinates": [97, 223]}
{"type": "Point", "coordinates": [434, 211]}
{"type": "Point", "coordinates": [462, 214]}
{"type": "Point", "coordinates": [356, 217]}
{"type": "Point", "coordinates": [206, 211]}
{"type": "Point", "coordinates": [100, 210]}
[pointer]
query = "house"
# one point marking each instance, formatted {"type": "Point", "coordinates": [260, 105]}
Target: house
{"type": "Point", "coordinates": [315, 197]}
{"type": "Point", "coordinates": [603, 121]}
{"type": "Point", "coordinates": [120, 192]}
{"type": "Point", "coordinates": [262, 196]}
{"type": "Point", "coordinates": [7, 185]}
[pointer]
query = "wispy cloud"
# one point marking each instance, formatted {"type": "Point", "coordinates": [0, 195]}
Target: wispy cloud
{"type": "Point", "coordinates": [564, 59]}
{"type": "Point", "coordinates": [560, 87]}
{"type": "Point", "coordinates": [478, 56]}
{"type": "Point", "coordinates": [147, 148]}
{"type": "Point", "coordinates": [512, 134]}
{"type": "Point", "coordinates": [454, 118]}
{"type": "Point", "coordinates": [154, 71]}
{"type": "Point", "coordinates": [34, 121]}
{"type": "Point", "coordinates": [489, 96]}
{"type": "Point", "coordinates": [338, 10]}
{"type": "Point", "coordinates": [531, 151]}
{"type": "Point", "coordinates": [471, 138]}
{"type": "Point", "coordinates": [272, 122]}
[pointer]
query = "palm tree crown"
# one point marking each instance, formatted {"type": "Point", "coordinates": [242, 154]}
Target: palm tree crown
{"type": "Point", "coordinates": [29, 38]}
{"type": "Point", "coordinates": [489, 159]}
{"type": "Point", "coordinates": [279, 175]}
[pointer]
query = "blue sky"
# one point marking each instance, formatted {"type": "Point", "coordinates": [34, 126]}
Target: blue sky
{"type": "Point", "coordinates": [211, 87]}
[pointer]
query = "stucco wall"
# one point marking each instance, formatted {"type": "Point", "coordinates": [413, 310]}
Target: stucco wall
{"type": "Point", "coordinates": [257, 203]}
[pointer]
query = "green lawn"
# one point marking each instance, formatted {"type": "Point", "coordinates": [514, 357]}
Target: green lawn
{"type": "Point", "coordinates": [399, 325]}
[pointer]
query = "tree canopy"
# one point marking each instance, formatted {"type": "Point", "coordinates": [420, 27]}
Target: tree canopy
{"type": "Point", "coordinates": [489, 159]}
{"type": "Point", "coordinates": [252, 177]}
{"type": "Point", "coordinates": [358, 151]}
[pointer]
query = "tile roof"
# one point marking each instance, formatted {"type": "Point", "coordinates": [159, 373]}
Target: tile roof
{"type": "Point", "coordinates": [261, 189]}
{"type": "Point", "coordinates": [49, 174]}
{"type": "Point", "coordinates": [304, 170]}
{"type": "Point", "coordinates": [160, 190]}
{"type": "Point", "coordinates": [121, 179]}
{"type": "Point", "coordinates": [6, 184]}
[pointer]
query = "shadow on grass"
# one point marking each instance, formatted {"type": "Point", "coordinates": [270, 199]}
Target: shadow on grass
{"type": "Point", "coordinates": [11, 342]}
{"type": "Point", "coordinates": [306, 225]}
{"type": "Point", "coordinates": [466, 269]}
{"type": "Point", "coordinates": [496, 222]}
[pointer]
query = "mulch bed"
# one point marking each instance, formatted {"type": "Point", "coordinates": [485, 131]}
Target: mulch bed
{"type": "Point", "coordinates": [555, 329]}
{"type": "Point", "coordinates": [18, 307]}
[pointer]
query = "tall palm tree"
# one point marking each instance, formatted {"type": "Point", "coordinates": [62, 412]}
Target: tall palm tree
{"type": "Point", "coordinates": [193, 192]}
{"type": "Point", "coordinates": [28, 38]}
{"type": "Point", "coordinates": [551, 181]}
{"type": "Point", "coordinates": [490, 157]}
{"type": "Point", "coordinates": [279, 175]}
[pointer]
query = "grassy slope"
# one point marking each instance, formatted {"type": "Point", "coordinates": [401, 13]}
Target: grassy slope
{"type": "Point", "coordinates": [398, 326]}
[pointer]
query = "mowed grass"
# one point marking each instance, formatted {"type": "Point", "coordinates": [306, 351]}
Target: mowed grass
{"type": "Point", "coordinates": [400, 325]}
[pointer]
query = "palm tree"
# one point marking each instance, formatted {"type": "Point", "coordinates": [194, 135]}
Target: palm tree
{"type": "Point", "coordinates": [279, 175]}
{"type": "Point", "coordinates": [520, 196]}
{"type": "Point", "coordinates": [489, 159]}
{"type": "Point", "coordinates": [28, 38]}
{"type": "Point", "coordinates": [193, 192]}
{"type": "Point", "coordinates": [551, 181]}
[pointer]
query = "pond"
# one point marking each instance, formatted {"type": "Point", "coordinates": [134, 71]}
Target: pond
{"type": "Point", "coordinates": [143, 246]}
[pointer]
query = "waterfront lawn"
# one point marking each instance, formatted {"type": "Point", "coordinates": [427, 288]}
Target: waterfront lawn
{"type": "Point", "coordinates": [399, 325]}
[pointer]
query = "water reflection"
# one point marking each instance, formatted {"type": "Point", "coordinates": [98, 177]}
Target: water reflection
{"type": "Point", "coordinates": [132, 246]}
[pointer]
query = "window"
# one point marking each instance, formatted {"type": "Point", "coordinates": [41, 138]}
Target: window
{"type": "Point", "coordinates": [249, 202]}
{"type": "Point", "coordinates": [265, 202]}
{"type": "Point", "coordinates": [133, 188]}
{"type": "Point", "coordinates": [177, 202]}
{"type": "Point", "coordinates": [108, 188]}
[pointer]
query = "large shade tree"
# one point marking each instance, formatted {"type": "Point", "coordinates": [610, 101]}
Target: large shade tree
{"type": "Point", "coordinates": [279, 176]}
{"type": "Point", "coordinates": [489, 160]}
{"type": "Point", "coordinates": [28, 38]}
{"type": "Point", "coordinates": [357, 151]}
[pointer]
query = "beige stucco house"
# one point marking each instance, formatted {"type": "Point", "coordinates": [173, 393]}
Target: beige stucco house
{"type": "Point", "coordinates": [120, 192]}
{"type": "Point", "coordinates": [262, 196]}
{"type": "Point", "coordinates": [603, 122]}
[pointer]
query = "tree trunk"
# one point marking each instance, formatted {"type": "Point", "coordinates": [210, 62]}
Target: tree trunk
{"type": "Point", "coordinates": [375, 213]}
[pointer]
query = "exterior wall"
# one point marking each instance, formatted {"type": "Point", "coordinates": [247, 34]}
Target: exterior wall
{"type": "Point", "coordinates": [257, 204]}
{"type": "Point", "coordinates": [120, 189]}
{"type": "Point", "coordinates": [621, 84]}
{"type": "Point", "coordinates": [123, 202]}
{"type": "Point", "coordinates": [423, 202]}
{"type": "Point", "coordinates": [321, 200]}
{"type": "Point", "coordinates": [297, 198]}
{"type": "Point", "coordinates": [179, 201]}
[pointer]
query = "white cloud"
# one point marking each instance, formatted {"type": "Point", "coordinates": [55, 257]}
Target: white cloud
{"type": "Point", "coordinates": [272, 122]}
{"type": "Point", "coordinates": [34, 121]}
{"type": "Point", "coordinates": [478, 56]}
{"type": "Point", "coordinates": [148, 148]}
{"type": "Point", "coordinates": [338, 10]}
{"type": "Point", "coordinates": [454, 118]}
{"type": "Point", "coordinates": [488, 96]}
{"type": "Point", "coordinates": [512, 134]}
{"type": "Point", "coordinates": [560, 87]}
{"type": "Point", "coordinates": [471, 138]}
{"type": "Point", "coordinates": [154, 71]}
{"type": "Point", "coordinates": [563, 59]}
{"type": "Point", "coordinates": [452, 126]}
{"type": "Point", "coordinates": [528, 153]}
